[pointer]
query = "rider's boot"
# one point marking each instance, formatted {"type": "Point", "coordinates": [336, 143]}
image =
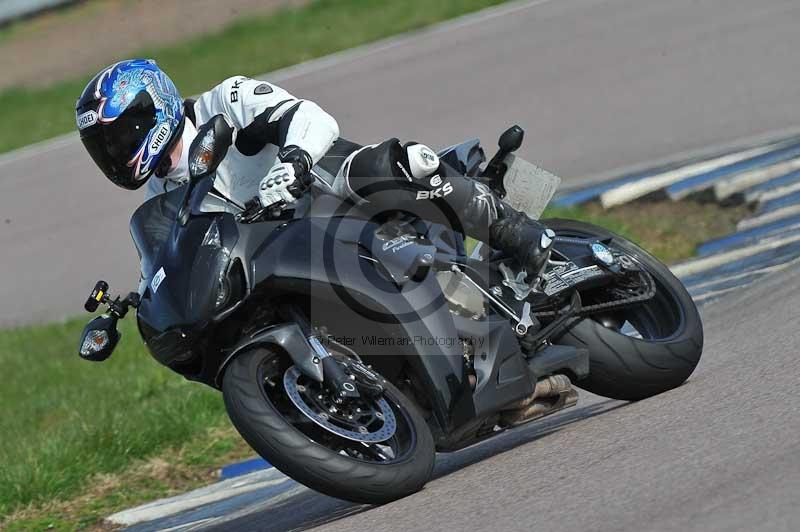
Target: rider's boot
{"type": "Point", "coordinates": [502, 227]}
{"type": "Point", "coordinates": [485, 216]}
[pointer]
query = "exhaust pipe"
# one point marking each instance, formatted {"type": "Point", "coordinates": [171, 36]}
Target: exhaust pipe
{"type": "Point", "coordinates": [551, 394]}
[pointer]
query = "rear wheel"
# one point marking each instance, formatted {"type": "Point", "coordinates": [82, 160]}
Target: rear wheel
{"type": "Point", "coordinates": [368, 450]}
{"type": "Point", "coordinates": [642, 350]}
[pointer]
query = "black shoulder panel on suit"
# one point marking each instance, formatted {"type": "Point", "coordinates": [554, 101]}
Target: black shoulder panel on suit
{"type": "Point", "coordinates": [261, 131]}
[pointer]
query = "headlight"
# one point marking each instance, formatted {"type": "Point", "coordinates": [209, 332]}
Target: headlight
{"type": "Point", "coordinates": [223, 290]}
{"type": "Point", "coordinates": [231, 286]}
{"type": "Point", "coordinates": [212, 237]}
{"type": "Point", "coordinates": [223, 284]}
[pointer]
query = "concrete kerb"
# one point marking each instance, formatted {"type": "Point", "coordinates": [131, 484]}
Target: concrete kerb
{"type": "Point", "coordinates": [696, 266]}
{"type": "Point", "coordinates": [737, 183]}
{"type": "Point", "coordinates": [200, 497]}
{"type": "Point", "coordinates": [648, 185]}
{"type": "Point", "coordinates": [770, 217]}
{"type": "Point", "coordinates": [701, 182]}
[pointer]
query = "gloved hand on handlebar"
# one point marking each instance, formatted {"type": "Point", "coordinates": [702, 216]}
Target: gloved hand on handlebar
{"type": "Point", "coordinates": [279, 185]}
{"type": "Point", "coordinates": [287, 180]}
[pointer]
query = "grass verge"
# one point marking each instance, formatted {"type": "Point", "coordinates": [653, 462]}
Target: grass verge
{"type": "Point", "coordinates": [65, 421]}
{"type": "Point", "coordinates": [84, 440]}
{"type": "Point", "coordinates": [251, 46]}
{"type": "Point", "coordinates": [669, 230]}
{"type": "Point", "coordinates": [173, 471]}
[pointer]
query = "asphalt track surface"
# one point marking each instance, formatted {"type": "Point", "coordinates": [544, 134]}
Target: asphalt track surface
{"type": "Point", "coordinates": [597, 84]}
{"type": "Point", "coordinates": [721, 452]}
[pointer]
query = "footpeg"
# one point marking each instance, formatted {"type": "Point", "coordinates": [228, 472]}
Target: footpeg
{"type": "Point", "coordinates": [516, 282]}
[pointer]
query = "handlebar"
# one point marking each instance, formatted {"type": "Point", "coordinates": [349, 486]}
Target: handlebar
{"type": "Point", "coordinates": [254, 211]}
{"type": "Point", "coordinates": [302, 184]}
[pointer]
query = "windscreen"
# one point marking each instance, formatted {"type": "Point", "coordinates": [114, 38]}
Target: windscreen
{"type": "Point", "coordinates": [151, 224]}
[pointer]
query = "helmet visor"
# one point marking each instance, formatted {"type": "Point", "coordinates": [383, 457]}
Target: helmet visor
{"type": "Point", "coordinates": [113, 145]}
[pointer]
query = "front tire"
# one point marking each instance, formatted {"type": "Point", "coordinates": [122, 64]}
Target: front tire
{"type": "Point", "coordinates": [668, 342]}
{"type": "Point", "coordinates": [332, 472]}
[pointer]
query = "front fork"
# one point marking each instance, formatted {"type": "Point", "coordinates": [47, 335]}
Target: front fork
{"type": "Point", "coordinates": [342, 383]}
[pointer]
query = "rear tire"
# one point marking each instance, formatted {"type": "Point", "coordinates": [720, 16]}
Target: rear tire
{"type": "Point", "coordinates": [630, 368]}
{"type": "Point", "coordinates": [269, 433]}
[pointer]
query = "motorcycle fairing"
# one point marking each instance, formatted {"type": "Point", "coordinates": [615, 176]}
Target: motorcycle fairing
{"type": "Point", "coordinates": [179, 277]}
{"type": "Point", "coordinates": [337, 260]}
{"type": "Point", "coordinates": [326, 260]}
{"type": "Point", "coordinates": [465, 157]}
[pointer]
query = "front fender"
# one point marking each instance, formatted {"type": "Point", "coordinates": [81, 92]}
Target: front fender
{"type": "Point", "coordinates": [287, 336]}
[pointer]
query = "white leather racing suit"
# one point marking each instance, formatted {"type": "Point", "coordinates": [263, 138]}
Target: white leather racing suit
{"type": "Point", "coordinates": [266, 118]}
{"type": "Point", "coordinates": [387, 176]}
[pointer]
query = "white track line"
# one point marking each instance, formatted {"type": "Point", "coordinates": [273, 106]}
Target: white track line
{"type": "Point", "coordinates": [34, 150]}
{"type": "Point", "coordinates": [200, 497]}
{"type": "Point", "coordinates": [188, 526]}
{"type": "Point", "coordinates": [366, 50]}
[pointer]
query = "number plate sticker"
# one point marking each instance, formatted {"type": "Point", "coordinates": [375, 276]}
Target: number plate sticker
{"type": "Point", "coordinates": [529, 188]}
{"type": "Point", "coordinates": [158, 278]}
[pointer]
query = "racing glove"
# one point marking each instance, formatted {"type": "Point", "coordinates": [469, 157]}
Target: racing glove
{"type": "Point", "coordinates": [287, 180]}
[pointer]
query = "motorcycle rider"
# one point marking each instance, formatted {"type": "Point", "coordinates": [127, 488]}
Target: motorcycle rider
{"type": "Point", "coordinates": [137, 129]}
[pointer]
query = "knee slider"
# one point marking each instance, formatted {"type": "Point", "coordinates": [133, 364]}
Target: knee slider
{"type": "Point", "coordinates": [422, 161]}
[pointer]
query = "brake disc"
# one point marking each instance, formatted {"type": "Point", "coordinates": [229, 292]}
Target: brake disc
{"type": "Point", "coordinates": [380, 413]}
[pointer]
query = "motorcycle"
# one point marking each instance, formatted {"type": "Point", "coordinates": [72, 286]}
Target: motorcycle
{"type": "Point", "coordinates": [350, 347]}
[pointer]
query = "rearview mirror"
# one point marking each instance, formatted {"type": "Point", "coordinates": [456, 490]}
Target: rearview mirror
{"type": "Point", "coordinates": [511, 139]}
{"type": "Point", "coordinates": [210, 147]}
{"type": "Point", "coordinates": [99, 339]}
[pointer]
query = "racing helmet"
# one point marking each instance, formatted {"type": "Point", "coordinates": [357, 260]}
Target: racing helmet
{"type": "Point", "coordinates": [129, 117]}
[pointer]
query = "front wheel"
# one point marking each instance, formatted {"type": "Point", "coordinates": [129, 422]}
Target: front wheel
{"type": "Point", "coordinates": [368, 450]}
{"type": "Point", "coordinates": [642, 350]}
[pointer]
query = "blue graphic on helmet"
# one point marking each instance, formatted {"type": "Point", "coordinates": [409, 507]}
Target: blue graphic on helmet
{"type": "Point", "coordinates": [119, 85]}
